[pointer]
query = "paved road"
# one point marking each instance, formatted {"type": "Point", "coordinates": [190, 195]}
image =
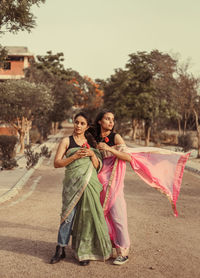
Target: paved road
{"type": "Point", "coordinates": [162, 245]}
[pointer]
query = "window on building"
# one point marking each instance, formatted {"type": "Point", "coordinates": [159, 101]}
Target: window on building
{"type": "Point", "coordinates": [7, 66]}
{"type": "Point", "coordinates": [16, 58]}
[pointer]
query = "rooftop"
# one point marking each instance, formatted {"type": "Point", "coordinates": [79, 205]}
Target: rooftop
{"type": "Point", "coordinates": [18, 51]}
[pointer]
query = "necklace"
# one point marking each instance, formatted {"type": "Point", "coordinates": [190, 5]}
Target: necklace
{"type": "Point", "coordinates": [79, 141]}
{"type": "Point", "coordinates": [105, 138]}
{"type": "Point", "coordinates": [105, 134]}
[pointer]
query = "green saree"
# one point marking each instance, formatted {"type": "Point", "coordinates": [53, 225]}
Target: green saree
{"type": "Point", "coordinates": [81, 187]}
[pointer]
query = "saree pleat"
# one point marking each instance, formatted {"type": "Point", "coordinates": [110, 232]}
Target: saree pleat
{"type": "Point", "coordinates": [81, 187]}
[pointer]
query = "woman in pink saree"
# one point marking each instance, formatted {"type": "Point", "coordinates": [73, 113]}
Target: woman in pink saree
{"type": "Point", "coordinates": [161, 169]}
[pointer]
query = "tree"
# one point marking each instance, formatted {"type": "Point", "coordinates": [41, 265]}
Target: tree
{"type": "Point", "coordinates": [188, 100]}
{"type": "Point", "coordinates": [162, 69]}
{"type": "Point", "coordinates": [21, 102]}
{"type": "Point", "coordinates": [68, 86]}
{"type": "Point", "coordinates": [3, 55]}
{"type": "Point", "coordinates": [184, 96]}
{"type": "Point", "coordinates": [196, 111]}
{"type": "Point", "coordinates": [143, 92]}
{"type": "Point", "coordinates": [50, 71]}
{"type": "Point", "coordinates": [92, 96]}
{"type": "Point", "coordinates": [128, 89]}
{"type": "Point", "coordinates": [16, 15]}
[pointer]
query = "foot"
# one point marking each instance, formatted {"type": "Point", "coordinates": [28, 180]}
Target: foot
{"type": "Point", "coordinates": [120, 260]}
{"type": "Point", "coordinates": [57, 257]}
{"type": "Point", "coordinates": [84, 263]}
{"type": "Point", "coordinates": [62, 256]}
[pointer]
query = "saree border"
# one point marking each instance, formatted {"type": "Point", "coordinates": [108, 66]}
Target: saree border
{"type": "Point", "coordinates": [110, 183]}
{"type": "Point", "coordinates": [92, 257]}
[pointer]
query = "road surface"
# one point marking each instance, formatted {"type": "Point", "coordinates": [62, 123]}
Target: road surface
{"type": "Point", "coordinates": [161, 245]}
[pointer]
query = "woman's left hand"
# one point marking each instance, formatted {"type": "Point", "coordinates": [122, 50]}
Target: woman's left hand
{"type": "Point", "coordinates": [103, 146]}
{"type": "Point", "coordinates": [87, 152]}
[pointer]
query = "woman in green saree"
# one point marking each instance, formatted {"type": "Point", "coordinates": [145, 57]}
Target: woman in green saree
{"type": "Point", "coordinates": [81, 207]}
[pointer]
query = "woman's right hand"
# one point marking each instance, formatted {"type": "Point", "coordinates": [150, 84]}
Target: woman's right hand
{"type": "Point", "coordinates": [103, 147]}
{"type": "Point", "coordinates": [80, 153]}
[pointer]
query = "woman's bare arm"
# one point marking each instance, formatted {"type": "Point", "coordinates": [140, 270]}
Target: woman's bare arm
{"type": "Point", "coordinates": [59, 161]}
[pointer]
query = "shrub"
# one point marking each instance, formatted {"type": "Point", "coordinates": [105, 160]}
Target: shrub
{"type": "Point", "coordinates": [7, 146]}
{"type": "Point", "coordinates": [45, 152]}
{"type": "Point", "coordinates": [164, 138]}
{"type": "Point", "coordinates": [34, 136]}
{"type": "Point", "coordinates": [8, 164]}
{"type": "Point", "coordinates": [33, 157]}
{"type": "Point", "coordinates": [185, 141]}
{"type": "Point", "coordinates": [7, 149]}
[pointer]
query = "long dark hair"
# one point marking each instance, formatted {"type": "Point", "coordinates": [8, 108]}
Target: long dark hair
{"type": "Point", "coordinates": [97, 126]}
{"type": "Point", "coordinates": [89, 132]}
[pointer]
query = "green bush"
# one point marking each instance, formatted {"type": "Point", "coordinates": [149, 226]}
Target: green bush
{"type": "Point", "coordinates": [7, 150]}
{"type": "Point", "coordinates": [7, 146]}
{"type": "Point", "coordinates": [45, 152]}
{"type": "Point", "coordinates": [185, 141]}
{"type": "Point", "coordinates": [33, 157]}
{"type": "Point", "coordinates": [164, 138]}
{"type": "Point", "coordinates": [34, 136]}
{"type": "Point", "coordinates": [8, 164]}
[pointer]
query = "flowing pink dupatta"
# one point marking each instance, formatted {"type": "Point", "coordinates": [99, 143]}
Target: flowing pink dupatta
{"type": "Point", "coordinates": [159, 168]}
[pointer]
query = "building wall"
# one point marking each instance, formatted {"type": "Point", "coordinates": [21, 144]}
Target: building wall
{"type": "Point", "coordinates": [8, 131]}
{"type": "Point", "coordinates": [16, 69]}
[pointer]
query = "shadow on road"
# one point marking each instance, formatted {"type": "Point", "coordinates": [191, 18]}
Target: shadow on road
{"type": "Point", "coordinates": [5, 224]}
{"type": "Point", "coordinates": [36, 248]}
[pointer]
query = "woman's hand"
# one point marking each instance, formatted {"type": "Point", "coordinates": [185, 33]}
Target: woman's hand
{"type": "Point", "coordinates": [88, 152]}
{"type": "Point", "coordinates": [84, 152]}
{"type": "Point", "coordinates": [79, 154]}
{"type": "Point", "coordinates": [103, 146]}
{"type": "Point", "coordinates": [118, 154]}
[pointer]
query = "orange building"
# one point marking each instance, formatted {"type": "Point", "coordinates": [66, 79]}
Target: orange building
{"type": "Point", "coordinates": [7, 129]}
{"type": "Point", "coordinates": [18, 59]}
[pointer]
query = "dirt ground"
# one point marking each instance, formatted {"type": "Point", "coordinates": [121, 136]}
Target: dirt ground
{"type": "Point", "coordinates": [161, 245]}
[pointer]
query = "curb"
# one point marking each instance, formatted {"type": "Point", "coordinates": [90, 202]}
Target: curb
{"type": "Point", "coordinates": [17, 187]}
{"type": "Point", "coordinates": [193, 170]}
{"type": "Point", "coordinates": [14, 190]}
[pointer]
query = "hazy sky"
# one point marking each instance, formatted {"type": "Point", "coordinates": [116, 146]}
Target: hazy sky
{"type": "Point", "coordinates": [96, 36]}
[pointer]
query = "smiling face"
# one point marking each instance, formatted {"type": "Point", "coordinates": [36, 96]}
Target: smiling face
{"type": "Point", "coordinates": [107, 122]}
{"type": "Point", "coordinates": [80, 125]}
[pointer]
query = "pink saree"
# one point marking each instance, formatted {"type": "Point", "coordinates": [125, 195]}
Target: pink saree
{"type": "Point", "coordinates": [159, 168]}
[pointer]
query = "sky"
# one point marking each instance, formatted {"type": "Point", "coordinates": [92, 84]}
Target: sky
{"type": "Point", "coordinates": [97, 36]}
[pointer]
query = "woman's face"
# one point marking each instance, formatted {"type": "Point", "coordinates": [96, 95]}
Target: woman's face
{"type": "Point", "coordinates": [107, 122]}
{"type": "Point", "coordinates": [80, 125]}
